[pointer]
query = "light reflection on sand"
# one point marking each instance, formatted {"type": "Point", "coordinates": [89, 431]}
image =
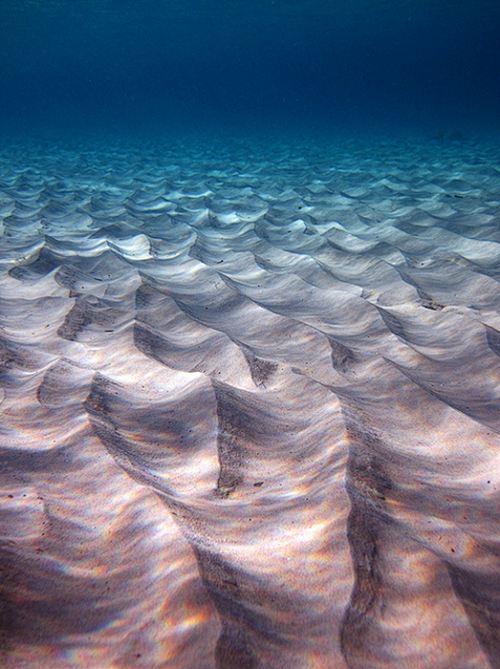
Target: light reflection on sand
{"type": "Point", "coordinates": [250, 406]}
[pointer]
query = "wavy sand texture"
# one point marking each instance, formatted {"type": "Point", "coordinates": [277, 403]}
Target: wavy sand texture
{"type": "Point", "coordinates": [250, 406]}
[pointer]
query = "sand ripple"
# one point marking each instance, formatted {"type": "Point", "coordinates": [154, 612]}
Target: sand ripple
{"type": "Point", "coordinates": [250, 406]}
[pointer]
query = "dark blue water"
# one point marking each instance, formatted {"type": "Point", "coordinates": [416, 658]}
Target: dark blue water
{"type": "Point", "coordinates": [224, 65]}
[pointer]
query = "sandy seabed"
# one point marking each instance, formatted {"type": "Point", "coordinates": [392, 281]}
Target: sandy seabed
{"type": "Point", "coordinates": [250, 405]}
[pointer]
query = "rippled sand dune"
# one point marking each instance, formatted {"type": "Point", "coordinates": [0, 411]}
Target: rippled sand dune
{"type": "Point", "coordinates": [250, 406]}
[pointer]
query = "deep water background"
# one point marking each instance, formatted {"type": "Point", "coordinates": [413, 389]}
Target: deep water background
{"type": "Point", "coordinates": [223, 66]}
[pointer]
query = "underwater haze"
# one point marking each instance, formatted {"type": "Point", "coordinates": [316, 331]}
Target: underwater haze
{"type": "Point", "coordinates": [249, 334]}
{"type": "Point", "coordinates": [215, 64]}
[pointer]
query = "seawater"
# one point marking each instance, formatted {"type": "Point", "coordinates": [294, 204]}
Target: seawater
{"type": "Point", "coordinates": [249, 334]}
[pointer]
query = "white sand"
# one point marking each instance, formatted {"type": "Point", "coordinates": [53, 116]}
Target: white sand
{"type": "Point", "coordinates": [250, 406]}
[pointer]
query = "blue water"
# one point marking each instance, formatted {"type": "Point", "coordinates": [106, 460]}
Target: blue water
{"type": "Point", "coordinates": [267, 65]}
